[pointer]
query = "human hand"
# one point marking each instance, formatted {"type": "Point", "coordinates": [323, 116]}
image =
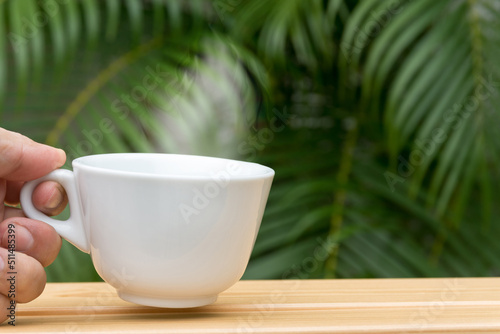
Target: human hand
{"type": "Point", "coordinates": [36, 243]}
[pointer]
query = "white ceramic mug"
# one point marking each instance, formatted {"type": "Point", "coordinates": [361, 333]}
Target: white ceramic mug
{"type": "Point", "coordinates": [165, 230]}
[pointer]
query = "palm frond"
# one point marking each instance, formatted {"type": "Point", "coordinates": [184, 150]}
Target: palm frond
{"type": "Point", "coordinates": [306, 27]}
{"type": "Point", "coordinates": [281, 83]}
{"type": "Point", "coordinates": [35, 28]}
{"type": "Point", "coordinates": [434, 70]}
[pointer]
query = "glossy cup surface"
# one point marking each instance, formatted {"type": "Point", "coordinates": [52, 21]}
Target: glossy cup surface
{"type": "Point", "coordinates": [170, 230]}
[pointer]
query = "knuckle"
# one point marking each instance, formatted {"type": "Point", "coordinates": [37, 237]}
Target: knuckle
{"type": "Point", "coordinates": [11, 155]}
{"type": "Point", "coordinates": [26, 279]}
{"type": "Point", "coordinates": [4, 305]}
{"type": "Point", "coordinates": [31, 279]}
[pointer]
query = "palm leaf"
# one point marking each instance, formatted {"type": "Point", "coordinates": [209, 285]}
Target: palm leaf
{"type": "Point", "coordinates": [89, 113]}
{"type": "Point", "coordinates": [283, 23]}
{"type": "Point", "coordinates": [312, 70]}
{"type": "Point", "coordinates": [425, 104]}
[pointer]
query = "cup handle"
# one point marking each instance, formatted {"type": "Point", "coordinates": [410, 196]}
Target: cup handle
{"type": "Point", "coordinates": [73, 229]}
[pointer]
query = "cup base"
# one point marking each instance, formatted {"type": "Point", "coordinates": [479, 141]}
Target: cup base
{"type": "Point", "coordinates": [166, 302]}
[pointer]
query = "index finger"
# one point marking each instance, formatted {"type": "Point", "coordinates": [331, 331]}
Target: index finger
{"type": "Point", "coordinates": [22, 159]}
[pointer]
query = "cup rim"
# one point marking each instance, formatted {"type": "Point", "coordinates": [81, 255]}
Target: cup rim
{"type": "Point", "coordinates": [79, 163]}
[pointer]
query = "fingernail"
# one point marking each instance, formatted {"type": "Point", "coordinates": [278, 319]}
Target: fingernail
{"type": "Point", "coordinates": [23, 239]}
{"type": "Point", "coordinates": [62, 157]}
{"type": "Point", "coordinates": [17, 237]}
{"type": "Point", "coordinates": [55, 199]}
{"type": "Point", "coordinates": [2, 263]}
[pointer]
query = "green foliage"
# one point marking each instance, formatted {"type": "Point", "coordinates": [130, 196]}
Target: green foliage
{"type": "Point", "coordinates": [378, 116]}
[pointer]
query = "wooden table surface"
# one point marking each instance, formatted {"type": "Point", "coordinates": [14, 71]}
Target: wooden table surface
{"type": "Point", "coordinates": [309, 306]}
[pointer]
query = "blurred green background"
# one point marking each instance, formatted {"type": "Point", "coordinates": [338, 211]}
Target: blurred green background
{"type": "Point", "coordinates": [380, 117]}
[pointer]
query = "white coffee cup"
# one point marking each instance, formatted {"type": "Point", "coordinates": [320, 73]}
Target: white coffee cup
{"type": "Point", "coordinates": [165, 230]}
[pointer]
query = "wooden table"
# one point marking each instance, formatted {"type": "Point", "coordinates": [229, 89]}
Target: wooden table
{"type": "Point", "coordinates": [309, 306]}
